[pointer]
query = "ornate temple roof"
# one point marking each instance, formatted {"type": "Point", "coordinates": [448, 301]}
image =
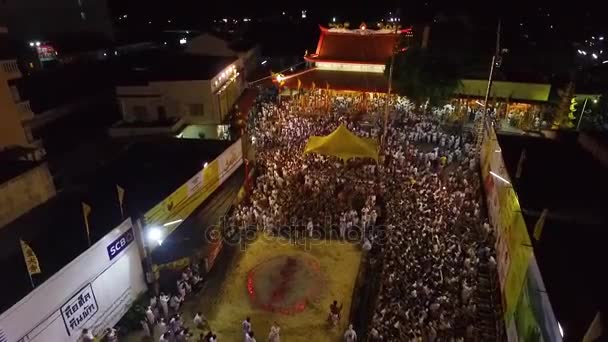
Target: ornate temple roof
{"type": "Point", "coordinates": [361, 46]}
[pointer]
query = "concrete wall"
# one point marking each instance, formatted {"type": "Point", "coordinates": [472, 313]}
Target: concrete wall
{"type": "Point", "coordinates": [24, 192]}
{"type": "Point", "coordinates": [177, 97]}
{"type": "Point", "coordinates": [11, 129]}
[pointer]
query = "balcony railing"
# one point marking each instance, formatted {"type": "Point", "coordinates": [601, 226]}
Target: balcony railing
{"type": "Point", "coordinates": [10, 68]}
{"type": "Point", "coordinates": [25, 111]}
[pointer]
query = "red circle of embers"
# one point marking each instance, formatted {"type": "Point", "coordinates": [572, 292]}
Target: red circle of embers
{"type": "Point", "coordinates": [300, 304]}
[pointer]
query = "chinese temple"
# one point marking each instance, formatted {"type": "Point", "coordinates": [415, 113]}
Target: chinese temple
{"type": "Point", "coordinates": [348, 59]}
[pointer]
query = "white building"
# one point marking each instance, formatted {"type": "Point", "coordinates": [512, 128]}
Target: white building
{"type": "Point", "coordinates": [161, 90]}
{"type": "Point", "coordinates": [209, 45]}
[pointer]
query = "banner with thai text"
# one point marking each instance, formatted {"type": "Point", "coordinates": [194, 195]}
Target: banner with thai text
{"type": "Point", "coordinates": [92, 292]}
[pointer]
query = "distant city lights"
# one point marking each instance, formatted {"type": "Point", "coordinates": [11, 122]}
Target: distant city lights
{"type": "Point", "coordinates": [604, 62]}
{"type": "Point", "coordinates": [601, 38]}
{"type": "Point", "coordinates": [37, 43]}
{"type": "Point", "coordinates": [169, 21]}
{"type": "Point", "coordinates": [333, 19]}
{"type": "Point", "coordinates": [303, 14]}
{"type": "Point", "coordinates": [32, 44]}
{"type": "Point", "coordinates": [594, 56]}
{"type": "Point", "coordinates": [264, 62]}
{"type": "Point", "coordinates": [182, 41]}
{"type": "Point", "coordinates": [225, 20]}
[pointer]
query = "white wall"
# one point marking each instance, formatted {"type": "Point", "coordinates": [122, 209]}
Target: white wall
{"type": "Point", "coordinates": [377, 68]}
{"type": "Point", "coordinates": [176, 96]}
{"type": "Point", "coordinates": [230, 160]}
{"type": "Point", "coordinates": [115, 284]}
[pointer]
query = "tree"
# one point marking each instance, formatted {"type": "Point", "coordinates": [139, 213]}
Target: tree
{"type": "Point", "coordinates": [564, 113]}
{"type": "Point", "coordinates": [434, 73]}
{"type": "Point", "coordinates": [596, 115]}
{"type": "Point", "coordinates": [426, 75]}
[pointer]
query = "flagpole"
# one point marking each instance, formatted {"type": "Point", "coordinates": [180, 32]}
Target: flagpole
{"type": "Point", "coordinates": [31, 280]}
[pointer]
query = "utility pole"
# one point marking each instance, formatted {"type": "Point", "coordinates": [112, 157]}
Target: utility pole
{"type": "Point", "coordinates": [578, 125]}
{"type": "Point", "coordinates": [482, 121]}
{"type": "Point", "coordinates": [390, 85]}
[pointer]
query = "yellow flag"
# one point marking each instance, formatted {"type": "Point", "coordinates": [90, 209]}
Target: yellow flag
{"type": "Point", "coordinates": [538, 227]}
{"type": "Point", "coordinates": [86, 211]}
{"type": "Point", "coordinates": [121, 197]}
{"type": "Point", "coordinates": [31, 261]}
{"type": "Point", "coordinates": [299, 84]}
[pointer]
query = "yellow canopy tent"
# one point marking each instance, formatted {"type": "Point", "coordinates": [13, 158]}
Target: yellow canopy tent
{"type": "Point", "coordinates": [343, 144]}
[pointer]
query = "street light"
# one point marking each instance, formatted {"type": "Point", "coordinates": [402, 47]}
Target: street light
{"type": "Point", "coordinates": [499, 177]}
{"type": "Point", "coordinates": [155, 234]}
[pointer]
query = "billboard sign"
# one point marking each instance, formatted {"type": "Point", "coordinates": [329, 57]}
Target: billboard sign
{"type": "Point", "coordinates": [79, 309]}
{"type": "Point", "coordinates": [92, 292]}
{"type": "Point", "coordinates": [120, 244]}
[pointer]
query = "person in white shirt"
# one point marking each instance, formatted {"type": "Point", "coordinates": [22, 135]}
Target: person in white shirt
{"type": "Point", "coordinates": [162, 326]}
{"type": "Point", "coordinates": [145, 327]}
{"type": "Point", "coordinates": [249, 337]}
{"type": "Point", "coordinates": [274, 335]}
{"type": "Point", "coordinates": [309, 228]}
{"type": "Point", "coordinates": [150, 316]}
{"type": "Point", "coordinates": [86, 336]}
{"type": "Point", "coordinates": [198, 320]}
{"type": "Point", "coordinates": [246, 326]}
{"type": "Point", "coordinates": [164, 304]}
{"type": "Point", "coordinates": [350, 335]}
{"type": "Point", "coordinates": [111, 335]}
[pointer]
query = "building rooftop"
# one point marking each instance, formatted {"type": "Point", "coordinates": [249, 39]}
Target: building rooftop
{"type": "Point", "coordinates": [10, 164]}
{"type": "Point", "coordinates": [564, 178]}
{"type": "Point", "coordinates": [163, 65]}
{"type": "Point", "coordinates": [355, 46]}
{"type": "Point", "coordinates": [148, 170]}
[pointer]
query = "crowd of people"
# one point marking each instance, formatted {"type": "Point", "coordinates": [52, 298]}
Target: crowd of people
{"type": "Point", "coordinates": [419, 206]}
{"type": "Point", "coordinates": [163, 316]}
{"type": "Point", "coordinates": [416, 213]}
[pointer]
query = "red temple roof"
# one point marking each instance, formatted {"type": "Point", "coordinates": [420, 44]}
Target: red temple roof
{"type": "Point", "coordinates": [354, 46]}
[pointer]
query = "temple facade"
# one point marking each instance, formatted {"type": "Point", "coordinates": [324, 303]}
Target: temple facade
{"type": "Point", "coordinates": [349, 60]}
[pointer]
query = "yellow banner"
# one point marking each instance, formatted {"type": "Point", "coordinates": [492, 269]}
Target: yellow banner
{"type": "Point", "coordinates": [31, 261]}
{"type": "Point", "coordinates": [519, 247]}
{"type": "Point", "coordinates": [184, 201]}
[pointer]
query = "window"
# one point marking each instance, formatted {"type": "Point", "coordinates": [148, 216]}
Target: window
{"type": "Point", "coordinates": [197, 109]}
{"type": "Point", "coordinates": [15, 94]}
{"type": "Point", "coordinates": [140, 113]}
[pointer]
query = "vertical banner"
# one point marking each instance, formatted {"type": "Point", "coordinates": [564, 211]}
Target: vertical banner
{"type": "Point", "coordinates": [528, 317]}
